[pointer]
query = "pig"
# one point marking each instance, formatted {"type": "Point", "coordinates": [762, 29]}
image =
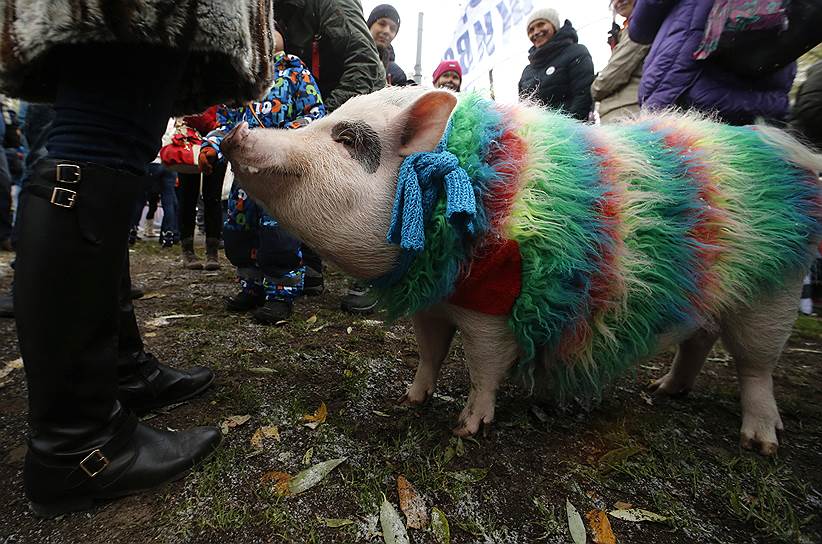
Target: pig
{"type": "Point", "coordinates": [563, 251]}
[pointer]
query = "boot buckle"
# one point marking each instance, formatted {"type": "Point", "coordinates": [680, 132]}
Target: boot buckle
{"type": "Point", "coordinates": [68, 173]}
{"type": "Point", "coordinates": [95, 457]}
{"type": "Point", "coordinates": [63, 197]}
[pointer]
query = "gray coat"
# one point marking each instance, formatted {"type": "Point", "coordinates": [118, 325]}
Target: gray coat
{"type": "Point", "coordinates": [231, 43]}
{"type": "Point", "coordinates": [616, 87]}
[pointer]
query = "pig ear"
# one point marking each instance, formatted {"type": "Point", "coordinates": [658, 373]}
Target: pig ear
{"type": "Point", "coordinates": [425, 121]}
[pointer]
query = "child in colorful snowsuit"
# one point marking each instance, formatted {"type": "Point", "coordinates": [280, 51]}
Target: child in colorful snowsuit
{"type": "Point", "coordinates": [268, 259]}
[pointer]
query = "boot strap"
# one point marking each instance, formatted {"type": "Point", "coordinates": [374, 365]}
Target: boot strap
{"type": "Point", "coordinates": [86, 466]}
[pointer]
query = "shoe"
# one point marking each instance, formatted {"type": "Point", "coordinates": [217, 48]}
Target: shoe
{"type": "Point", "coordinates": [133, 236]}
{"type": "Point", "coordinates": [167, 238]}
{"type": "Point", "coordinates": [135, 459]}
{"type": "Point", "coordinates": [360, 299]}
{"type": "Point", "coordinates": [313, 283]}
{"type": "Point", "coordinates": [83, 445]}
{"type": "Point", "coordinates": [151, 385]}
{"type": "Point", "coordinates": [190, 259]}
{"type": "Point", "coordinates": [212, 254]}
{"type": "Point", "coordinates": [244, 301]}
{"type": "Point", "coordinates": [7, 306]}
{"type": "Point", "coordinates": [273, 311]}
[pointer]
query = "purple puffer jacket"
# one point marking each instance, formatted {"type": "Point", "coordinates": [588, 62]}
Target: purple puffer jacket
{"type": "Point", "coordinates": [671, 76]}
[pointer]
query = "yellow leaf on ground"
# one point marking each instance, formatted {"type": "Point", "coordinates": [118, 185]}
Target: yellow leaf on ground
{"type": "Point", "coordinates": [311, 320]}
{"type": "Point", "coordinates": [270, 431]}
{"type": "Point", "coordinates": [233, 421]}
{"type": "Point", "coordinates": [412, 504]}
{"type": "Point", "coordinates": [600, 527]}
{"type": "Point", "coordinates": [279, 479]}
{"type": "Point", "coordinates": [314, 420]}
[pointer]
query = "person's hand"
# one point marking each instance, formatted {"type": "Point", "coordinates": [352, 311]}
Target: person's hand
{"type": "Point", "coordinates": [207, 157]}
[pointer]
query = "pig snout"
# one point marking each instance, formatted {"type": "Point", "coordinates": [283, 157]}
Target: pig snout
{"type": "Point", "coordinates": [234, 139]}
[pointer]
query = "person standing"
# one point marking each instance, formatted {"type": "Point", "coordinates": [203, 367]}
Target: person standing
{"type": "Point", "coordinates": [85, 443]}
{"type": "Point", "coordinates": [269, 262]}
{"type": "Point", "coordinates": [560, 70]}
{"type": "Point", "coordinates": [384, 25]}
{"type": "Point", "coordinates": [332, 38]}
{"type": "Point", "coordinates": [616, 87]}
{"type": "Point", "coordinates": [448, 75]}
{"type": "Point", "coordinates": [672, 77]}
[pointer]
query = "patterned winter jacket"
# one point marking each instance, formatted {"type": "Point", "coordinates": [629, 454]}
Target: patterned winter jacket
{"type": "Point", "coordinates": [293, 101]}
{"type": "Point", "coordinates": [233, 38]}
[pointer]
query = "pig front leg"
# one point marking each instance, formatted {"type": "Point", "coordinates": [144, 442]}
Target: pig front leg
{"type": "Point", "coordinates": [490, 350]}
{"type": "Point", "coordinates": [434, 331]}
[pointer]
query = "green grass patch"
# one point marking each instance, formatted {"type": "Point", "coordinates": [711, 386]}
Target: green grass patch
{"type": "Point", "coordinates": [810, 327]}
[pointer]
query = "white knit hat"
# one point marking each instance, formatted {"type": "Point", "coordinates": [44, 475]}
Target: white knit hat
{"type": "Point", "coordinates": [548, 14]}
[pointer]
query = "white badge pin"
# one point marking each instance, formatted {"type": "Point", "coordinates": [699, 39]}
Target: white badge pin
{"type": "Point", "coordinates": [550, 70]}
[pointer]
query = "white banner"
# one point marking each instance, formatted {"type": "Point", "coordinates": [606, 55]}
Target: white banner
{"type": "Point", "coordinates": [482, 33]}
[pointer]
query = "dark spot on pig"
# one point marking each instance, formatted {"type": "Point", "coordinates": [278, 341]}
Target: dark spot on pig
{"type": "Point", "coordinates": [361, 141]}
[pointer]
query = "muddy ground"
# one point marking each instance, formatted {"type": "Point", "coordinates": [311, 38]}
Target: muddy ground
{"type": "Point", "coordinates": [676, 457]}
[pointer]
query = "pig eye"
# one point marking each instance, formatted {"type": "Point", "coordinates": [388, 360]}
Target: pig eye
{"type": "Point", "coordinates": [361, 141]}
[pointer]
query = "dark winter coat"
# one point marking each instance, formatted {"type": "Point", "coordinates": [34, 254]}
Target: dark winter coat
{"type": "Point", "coordinates": [394, 75]}
{"type": "Point", "coordinates": [671, 76]}
{"type": "Point", "coordinates": [806, 117]}
{"type": "Point", "coordinates": [561, 73]}
{"type": "Point", "coordinates": [348, 61]}
{"type": "Point", "coordinates": [229, 38]}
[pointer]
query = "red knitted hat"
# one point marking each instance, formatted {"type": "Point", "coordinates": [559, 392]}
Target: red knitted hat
{"type": "Point", "coordinates": [447, 66]}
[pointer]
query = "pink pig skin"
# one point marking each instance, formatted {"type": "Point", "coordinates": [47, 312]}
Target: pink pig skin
{"type": "Point", "coordinates": [332, 184]}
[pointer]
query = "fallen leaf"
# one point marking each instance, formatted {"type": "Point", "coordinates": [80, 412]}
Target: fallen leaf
{"type": "Point", "coordinates": [469, 475]}
{"type": "Point", "coordinates": [281, 322]}
{"type": "Point", "coordinates": [378, 413]}
{"type": "Point", "coordinates": [261, 370]}
{"type": "Point", "coordinates": [150, 334]}
{"type": "Point", "coordinates": [270, 431]}
{"type": "Point", "coordinates": [10, 366]}
{"type": "Point", "coordinates": [311, 320]}
{"type": "Point", "coordinates": [309, 454]}
{"type": "Point", "coordinates": [411, 504]}
{"type": "Point", "coordinates": [637, 515]}
{"type": "Point", "coordinates": [233, 421]}
{"type": "Point", "coordinates": [311, 476]}
{"type": "Point", "coordinates": [439, 526]}
{"type": "Point", "coordinates": [318, 329]}
{"type": "Point", "coordinates": [623, 505]}
{"type": "Point", "coordinates": [600, 527]}
{"type": "Point", "coordinates": [393, 529]}
{"type": "Point", "coordinates": [164, 320]}
{"type": "Point", "coordinates": [280, 480]}
{"type": "Point", "coordinates": [575, 524]}
{"type": "Point", "coordinates": [152, 294]}
{"type": "Point", "coordinates": [349, 329]}
{"type": "Point", "coordinates": [620, 454]}
{"type": "Point", "coordinates": [317, 418]}
{"type": "Point", "coordinates": [336, 522]}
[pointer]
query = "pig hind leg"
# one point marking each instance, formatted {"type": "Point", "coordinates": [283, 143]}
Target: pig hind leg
{"type": "Point", "coordinates": [690, 356]}
{"type": "Point", "coordinates": [434, 331]}
{"type": "Point", "coordinates": [490, 350]}
{"type": "Point", "coordinates": [755, 337]}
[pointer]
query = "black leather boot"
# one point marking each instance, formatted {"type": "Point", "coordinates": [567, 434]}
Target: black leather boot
{"type": "Point", "coordinates": [83, 445]}
{"type": "Point", "coordinates": [144, 383]}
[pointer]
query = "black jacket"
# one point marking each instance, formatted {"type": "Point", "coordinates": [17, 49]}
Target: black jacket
{"type": "Point", "coordinates": [394, 75]}
{"type": "Point", "coordinates": [806, 116]}
{"type": "Point", "coordinates": [349, 64]}
{"type": "Point", "coordinates": [561, 73]}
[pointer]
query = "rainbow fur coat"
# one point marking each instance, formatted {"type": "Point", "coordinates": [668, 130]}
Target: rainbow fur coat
{"type": "Point", "coordinates": [596, 240]}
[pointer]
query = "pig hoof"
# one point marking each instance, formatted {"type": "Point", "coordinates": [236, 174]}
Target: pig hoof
{"type": "Point", "coordinates": [667, 385]}
{"type": "Point", "coordinates": [414, 399]}
{"type": "Point", "coordinates": [470, 423]}
{"type": "Point", "coordinates": [760, 436]}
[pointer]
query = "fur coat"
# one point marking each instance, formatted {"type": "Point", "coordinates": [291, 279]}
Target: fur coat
{"type": "Point", "coordinates": [231, 43]}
